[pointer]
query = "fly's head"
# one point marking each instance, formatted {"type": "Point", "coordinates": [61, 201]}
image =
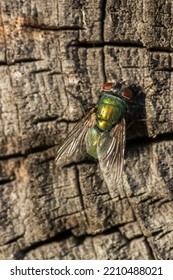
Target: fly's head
{"type": "Point", "coordinates": [119, 90]}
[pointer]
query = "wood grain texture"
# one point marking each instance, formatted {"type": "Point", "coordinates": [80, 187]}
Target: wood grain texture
{"type": "Point", "coordinates": [54, 57]}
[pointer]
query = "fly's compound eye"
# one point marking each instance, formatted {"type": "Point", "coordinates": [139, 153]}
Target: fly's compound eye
{"type": "Point", "coordinates": [107, 86]}
{"type": "Point", "coordinates": [127, 93]}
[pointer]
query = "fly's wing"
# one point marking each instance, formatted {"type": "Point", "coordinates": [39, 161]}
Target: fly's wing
{"type": "Point", "coordinates": [110, 152]}
{"type": "Point", "coordinates": [72, 146]}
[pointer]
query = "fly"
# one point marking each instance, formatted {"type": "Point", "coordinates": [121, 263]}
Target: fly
{"type": "Point", "coordinates": [102, 130]}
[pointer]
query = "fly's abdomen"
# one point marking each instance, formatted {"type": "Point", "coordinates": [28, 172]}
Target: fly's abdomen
{"type": "Point", "coordinates": [110, 110]}
{"type": "Point", "coordinates": [91, 141]}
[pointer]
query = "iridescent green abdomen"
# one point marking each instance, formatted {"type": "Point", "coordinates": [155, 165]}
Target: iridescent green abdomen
{"type": "Point", "coordinates": [110, 110]}
{"type": "Point", "coordinates": [91, 141]}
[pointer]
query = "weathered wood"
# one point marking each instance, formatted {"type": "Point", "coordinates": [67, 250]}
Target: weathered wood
{"type": "Point", "coordinates": [54, 57]}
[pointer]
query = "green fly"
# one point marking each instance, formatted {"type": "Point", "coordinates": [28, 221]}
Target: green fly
{"type": "Point", "coordinates": [102, 131]}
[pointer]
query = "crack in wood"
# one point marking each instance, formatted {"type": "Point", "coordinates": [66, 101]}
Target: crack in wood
{"type": "Point", "coordinates": [3, 63]}
{"type": "Point", "coordinates": [12, 156]}
{"type": "Point", "coordinates": [79, 188]}
{"type": "Point", "coordinates": [149, 140]}
{"type": "Point", "coordinates": [160, 49]}
{"type": "Point", "coordinates": [150, 249]}
{"type": "Point", "coordinates": [6, 180]}
{"type": "Point", "coordinates": [97, 44]}
{"type": "Point", "coordinates": [52, 28]}
{"type": "Point", "coordinates": [65, 235]}
{"type": "Point", "coordinates": [13, 240]}
{"type": "Point", "coordinates": [165, 69]}
{"type": "Point", "coordinates": [27, 60]}
{"type": "Point", "coordinates": [160, 233]}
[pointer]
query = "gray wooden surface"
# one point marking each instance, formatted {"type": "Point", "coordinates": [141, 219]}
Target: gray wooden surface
{"type": "Point", "coordinates": [54, 57]}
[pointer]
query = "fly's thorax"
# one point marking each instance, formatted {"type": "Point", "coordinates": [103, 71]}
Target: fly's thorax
{"type": "Point", "coordinates": [91, 141]}
{"type": "Point", "coordinates": [110, 110]}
